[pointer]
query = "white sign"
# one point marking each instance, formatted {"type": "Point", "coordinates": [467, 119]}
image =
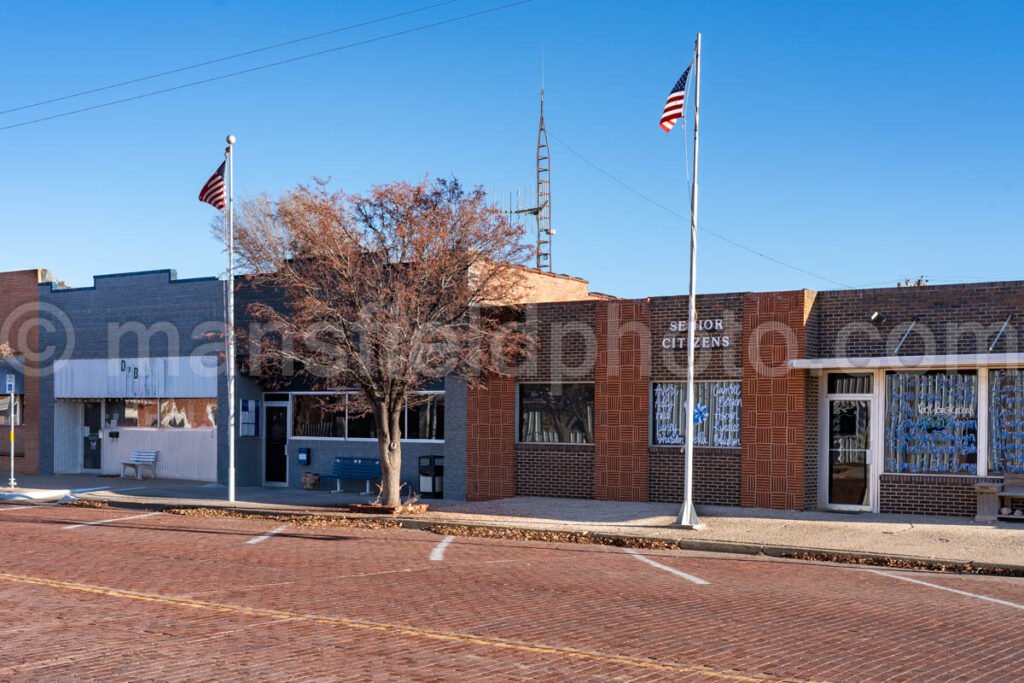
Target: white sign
{"type": "Point", "coordinates": [10, 384]}
{"type": "Point", "coordinates": [708, 334]}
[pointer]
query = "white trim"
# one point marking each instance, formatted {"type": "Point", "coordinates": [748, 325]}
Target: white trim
{"type": "Point", "coordinates": [875, 456]}
{"type": "Point", "coordinates": [981, 446]}
{"type": "Point", "coordinates": [967, 360]}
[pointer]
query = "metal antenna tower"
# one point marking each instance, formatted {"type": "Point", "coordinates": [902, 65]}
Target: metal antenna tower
{"type": "Point", "coordinates": [542, 209]}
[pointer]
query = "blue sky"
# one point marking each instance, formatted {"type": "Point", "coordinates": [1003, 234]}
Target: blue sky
{"type": "Point", "coordinates": [861, 141]}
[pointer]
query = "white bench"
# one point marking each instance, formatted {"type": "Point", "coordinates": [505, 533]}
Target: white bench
{"type": "Point", "coordinates": [139, 460]}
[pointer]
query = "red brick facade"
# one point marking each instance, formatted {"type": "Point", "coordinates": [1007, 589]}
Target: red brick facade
{"type": "Point", "coordinates": [19, 316]}
{"type": "Point", "coordinates": [772, 440]}
{"type": "Point", "coordinates": [490, 440]}
{"type": "Point", "coordinates": [621, 396]}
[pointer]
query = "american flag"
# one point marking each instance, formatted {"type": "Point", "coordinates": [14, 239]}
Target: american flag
{"type": "Point", "coordinates": [213, 192]}
{"type": "Point", "coordinates": [675, 103]}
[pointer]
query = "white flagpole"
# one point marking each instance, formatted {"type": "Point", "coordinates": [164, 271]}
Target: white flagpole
{"type": "Point", "coordinates": [688, 513]}
{"type": "Point", "coordinates": [229, 336]}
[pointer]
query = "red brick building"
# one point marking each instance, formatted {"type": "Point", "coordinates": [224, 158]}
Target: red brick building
{"type": "Point", "coordinates": [891, 400]}
{"type": "Point", "coordinates": [19, 315]}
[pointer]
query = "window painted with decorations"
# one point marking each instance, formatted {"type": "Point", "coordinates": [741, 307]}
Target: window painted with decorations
{"type": "Point", "coordinates": [716, 414]}
{"type": "Point", "coordinates": [556, 413]}
{"type": "Point", "coordinates": [931, 422]}
{"type": "Point", "coordinates": [1006, 421]}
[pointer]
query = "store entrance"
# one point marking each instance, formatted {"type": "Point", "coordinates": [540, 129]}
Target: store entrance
{"type": "Point", "coordinates": [275, 449]}
{"type": "Point", "coordinates": [92, 446]}
{"type": "Point", "coordinates": [849, 453]}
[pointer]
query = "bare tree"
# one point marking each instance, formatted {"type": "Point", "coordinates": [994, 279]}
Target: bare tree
{"type": "Point", "coordinates": [384, 292]}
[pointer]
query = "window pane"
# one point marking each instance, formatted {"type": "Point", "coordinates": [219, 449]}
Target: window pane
{"type": "Point", "coordinates": [843, 383]}
{"type": "Point", "coordinates": [319, 416]}
{"type": "Point", "coordinates": [556, 413]}
{"type": "Point", "coordinates": [1006, 421]}
{"type": "Point", "coordinates": [426, 417]}
{"type": "Point", "coordinates": [931, 422]}
{"type": "Point", "coordinates": [361, 423]}
{"type": "Point", "coordinates": [188, 413]}
{"type": "Point", "coordinates": [5, 410]}
{"type": "Point", "coordinates": [716, 416]}
{"type": "Point", "coordinates": [131, 413]}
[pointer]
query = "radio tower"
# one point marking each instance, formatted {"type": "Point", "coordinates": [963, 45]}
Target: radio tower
{"type": "Point", "coordinates": [543, 208]}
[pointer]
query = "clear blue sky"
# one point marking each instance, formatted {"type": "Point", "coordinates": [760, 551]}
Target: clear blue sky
{"type": "Point", "coordinates": [863, 141]}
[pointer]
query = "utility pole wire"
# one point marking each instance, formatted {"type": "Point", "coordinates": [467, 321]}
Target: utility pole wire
{"type": "Point", "coordinates": [218, 60]}
{"type": "Point", "coordinates": [680, 216]}
{"type": "Point", "coordinates": [271, 65]}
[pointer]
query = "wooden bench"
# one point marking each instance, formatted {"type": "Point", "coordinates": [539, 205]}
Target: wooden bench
{"type": "Point", "coordinates": [139, 460]}
{"type": "Point", "coordinates": [367, 469]}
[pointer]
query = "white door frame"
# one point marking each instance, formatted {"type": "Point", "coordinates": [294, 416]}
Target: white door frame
{"type": "Point", "coordinates": [263, 442]}
{"type": "Point", "coordinates": [875, 453]}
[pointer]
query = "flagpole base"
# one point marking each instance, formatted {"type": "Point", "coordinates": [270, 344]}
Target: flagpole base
{"type": "Point", "coordinates": [688, 518]}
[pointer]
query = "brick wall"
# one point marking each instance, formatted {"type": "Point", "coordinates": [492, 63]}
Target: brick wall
{"type": "Point", "coordinates": [929, 495]}
{"type": "Point", "coordinates": [716, 475]}
{"type": "Point", "coordinates": [566, 343]}
{"type": "Point", "coordinates": [490, 439]}
{"type": "Point", "coordinates": [950, 319]}
{"type": "Point", "coordinates": [811, 458]}
{"type": "Point", "coordinates": [621, 397]}
{"type": "Point", "coordinates": [559, 471]}
{"type": "Point", "coordinates": [774, 400]}
{"type": "Point", "coordinates": [19, 310]}
{"type": "Point", "coordinates": [709, 363]}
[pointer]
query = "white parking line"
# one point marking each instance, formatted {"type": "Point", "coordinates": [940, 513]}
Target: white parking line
{"type": "Point", "coordinates": [437, 554]}
{"type": "Point", "coordinates": [671, 570]}
{"type": "Point", "coordinates": [108, 521]}
{"type": "Point", "coordinates": [894, 575]}
{"type": "Point", "coordinates": [263, 537]}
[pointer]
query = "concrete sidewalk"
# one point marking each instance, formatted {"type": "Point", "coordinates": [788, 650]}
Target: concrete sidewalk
{"type": "Point", "coordinates": [935, 539]}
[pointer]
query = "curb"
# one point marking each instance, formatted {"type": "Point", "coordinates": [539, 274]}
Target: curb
{"type": "Point", "coordinates": [794, 552]}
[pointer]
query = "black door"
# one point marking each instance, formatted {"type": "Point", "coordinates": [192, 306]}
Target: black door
{"type": "Point", "coordinates": [276, 458]}
{"type": "Point", "coordinates": [92, 453]}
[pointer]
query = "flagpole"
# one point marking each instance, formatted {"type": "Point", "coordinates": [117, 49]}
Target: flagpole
{"type": "Point", "coordinates": [688, 513]}
{"type": "Point", "coordinates": [229, 337]}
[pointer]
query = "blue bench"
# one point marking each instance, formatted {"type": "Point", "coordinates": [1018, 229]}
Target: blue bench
{"type": "Point", "coordinates": [367, 469]}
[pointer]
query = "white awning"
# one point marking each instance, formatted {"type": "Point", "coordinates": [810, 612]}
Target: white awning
{"type": "Point", "coordinates": [965, 360]}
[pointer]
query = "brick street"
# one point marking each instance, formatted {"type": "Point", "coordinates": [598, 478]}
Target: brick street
{"type": "Point", "coordinates": [112, 594]}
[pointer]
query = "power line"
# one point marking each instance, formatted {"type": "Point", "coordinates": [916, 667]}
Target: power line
{"type": "Point", "coordinates": [680, 216]}
{"type": "Point", "coordinates": [218, 60]}
{"type": "Point", "coordinates": [263, 67]}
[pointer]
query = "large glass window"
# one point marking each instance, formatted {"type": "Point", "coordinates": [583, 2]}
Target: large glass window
{"type": "Point", "coordinates": [144, 413]}
{"type": "Point", "coordinates": [188, 413]}
{"type": "Point", "coordinates": [716, 414]}
{"type": "Point", "coordinates": [556, 413]}
{"type": "Point", "coordinates": [1006, 421]}
{"type": "Point", "coordinates": [5, 410]}
{"type": "Point", "coordinates": [425, 417]}
{"type": "Point", "coordinates": [931, 422]}
{"type": "Point", "coordinates": [318, 416]}
{"type": "Point", "coordinates": [361, 423]}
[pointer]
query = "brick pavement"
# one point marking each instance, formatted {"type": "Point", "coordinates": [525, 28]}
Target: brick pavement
{"type": "Point", "coordinates": [185, 598]}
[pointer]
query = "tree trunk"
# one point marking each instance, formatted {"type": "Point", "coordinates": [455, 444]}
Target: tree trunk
{"type": "Point", "coordinates": [389, 444]}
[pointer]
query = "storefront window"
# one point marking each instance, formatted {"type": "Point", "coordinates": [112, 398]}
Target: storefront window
{"type": "Point", "coordinates": [318, 416]}
{"type": "Point", "coordinates": [132, 413]}
{"type": "Point", "coordinates": [361, 423]}
{"type": "Point", "coordinates": [188, 413]}
{"type": "Point", "coordinates": [845, 383]}
{"type": "Point", "coordinates": [1006, 421]}
{"type": "Point", "coordinates": [931, 422]}
{"type": "Point", "coordinates": [5, 410]}
{"type": "Point", "coordinates": [716, 414]}
{"type": "Point", "coordinates": [425, 417]}
{"type": "Point", "coordinates": [556, 413]}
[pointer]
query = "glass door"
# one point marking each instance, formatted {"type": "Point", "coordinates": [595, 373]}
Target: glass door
{"type": "Point", "coordinates": [92, 446]}
{"type": "Point", "coordinates": [849, 453]}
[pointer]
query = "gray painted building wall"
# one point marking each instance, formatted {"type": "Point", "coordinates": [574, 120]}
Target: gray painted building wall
{"type": "Point", "coordinates": [173, 316]}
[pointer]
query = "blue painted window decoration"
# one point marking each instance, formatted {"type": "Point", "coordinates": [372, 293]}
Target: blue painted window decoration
{"type": "Point", "coordinates": [931, 422]}
{"type": "Point", "coordinates": [716, 414]}
{"type": "Point", "coordinates": [1006, 421]}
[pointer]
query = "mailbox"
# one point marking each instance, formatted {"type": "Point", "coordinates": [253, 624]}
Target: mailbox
{"type": "Point", "coordinates": [304, 457]}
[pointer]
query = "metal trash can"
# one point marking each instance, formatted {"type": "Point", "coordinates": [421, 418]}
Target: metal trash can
{"type": "Point", "coordinates": [432, 476]}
